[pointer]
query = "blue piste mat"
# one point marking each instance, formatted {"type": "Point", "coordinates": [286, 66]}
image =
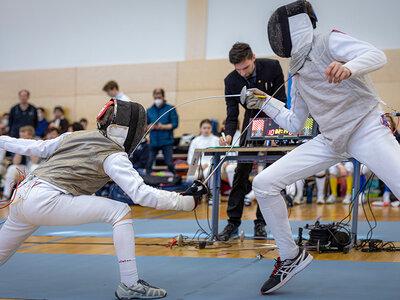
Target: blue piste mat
{"type": "Point", "coordinates": [66, 276]}
{"type": "Point", "coordinates": [168, 228]}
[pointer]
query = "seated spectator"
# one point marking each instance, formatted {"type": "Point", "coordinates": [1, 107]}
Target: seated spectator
{"type": "Point", "coordinates": [3, 162]}
{"type": "Point", "coordinates": [205, 140]}
{"type": "Point", "coordinates": [59, 122]}
{"type": "Point", "coordinates": [42, 122]}
{"type": "Point", "coordinates": [84, 123]}
{"type": "Point", "coordinates": [20, 164]}
{"type": "Point", "coordinates": [341, 170]}
{"type": "Point", "coordinates": [295, 190]}
{"type": "Point", "coordinates": [4, 128]}
{"type": "Point", "coordinates": [51, 133]}
{"type": "Point", "coordinates": [112, 90]}
{"type": "Point", "coordinates": [75, 127]}
{"type": "Point", "coordinates": [230, 166]}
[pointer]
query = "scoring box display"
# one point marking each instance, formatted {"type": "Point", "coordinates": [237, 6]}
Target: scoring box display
{"type": "Point", "coordinates": [267, 129]}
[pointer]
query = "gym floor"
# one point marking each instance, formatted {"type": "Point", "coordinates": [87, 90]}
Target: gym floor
{"type": "Point", "coordinates": [155, 230]}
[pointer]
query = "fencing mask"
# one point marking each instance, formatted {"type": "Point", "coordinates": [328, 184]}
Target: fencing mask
{"type": "Point", "coordinates": [279, 32]}
{"type": "Point", "coordinates": [123, 122]}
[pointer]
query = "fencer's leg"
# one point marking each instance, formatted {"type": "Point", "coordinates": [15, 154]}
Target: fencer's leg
{"type": "Point", "coordinates": [124, 244]}
{"type": "Point", "coordinates": [375, 146]}
{"type": "Point", "coordinates": [12, 234]}
{"type": "Point", "coordinates": [46, 206]}
{"type": "Point", "coordinates": [306, 160]}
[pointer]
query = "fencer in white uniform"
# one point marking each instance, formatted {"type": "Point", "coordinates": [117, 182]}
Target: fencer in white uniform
{"type": "Point", "coordinates": [332, 84]}
{"type": "Point", "coordinates": [59, 191]}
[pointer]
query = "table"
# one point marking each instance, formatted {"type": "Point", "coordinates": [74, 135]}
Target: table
{"type": "Point", "coordinates": [246, 155]}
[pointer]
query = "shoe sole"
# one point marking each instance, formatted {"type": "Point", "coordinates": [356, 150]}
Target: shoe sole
{"type": "Point", "coordinates": [125, 298]}
{"type": "Point", "coordinates": [304, 264]}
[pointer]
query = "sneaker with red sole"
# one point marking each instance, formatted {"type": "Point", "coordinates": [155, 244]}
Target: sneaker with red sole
{"type": "Point", "coordinates": [285, 270]}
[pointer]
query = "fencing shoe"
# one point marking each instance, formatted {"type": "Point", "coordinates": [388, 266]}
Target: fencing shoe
{"type": "Point", "coordinates": [141, 290]}
{"type": "Point", "coordinates": [285, 270]}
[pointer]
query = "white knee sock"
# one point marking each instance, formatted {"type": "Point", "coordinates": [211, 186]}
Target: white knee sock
{"type": "Point", "coordinates": [320, 185]}
{"type": "Point", "coordinates": [299, 189]}
{"type": "Point", "coordinates": [124, 243]}
{"type": "Point", "coordinates": [275, 214]}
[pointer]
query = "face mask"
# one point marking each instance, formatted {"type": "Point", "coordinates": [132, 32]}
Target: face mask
{"type": "Point", "coordinates": [4, 122]}
{"type": "Point", "coordinates": [158, 102]}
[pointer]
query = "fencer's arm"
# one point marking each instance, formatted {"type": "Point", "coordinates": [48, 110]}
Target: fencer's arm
{"type": "Point", "coordinates": [292, 119]}
{"type": "Point", "coordinates": [358, 56]}
{"type": "Point", "coordinates": [31, 147]}
{"type": "Point", "coordinates": [119, 168]}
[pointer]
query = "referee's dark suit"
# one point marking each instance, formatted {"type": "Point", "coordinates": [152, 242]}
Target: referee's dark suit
{"type": "Point", "coordinates": [268, 78]}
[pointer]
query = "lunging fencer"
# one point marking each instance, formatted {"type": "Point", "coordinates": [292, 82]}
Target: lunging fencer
{"type": "Point", "coordinates": [331, 83]}
{"type": "Point", "coordinates": [78, 164]}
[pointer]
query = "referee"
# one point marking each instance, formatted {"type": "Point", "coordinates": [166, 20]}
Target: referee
{"type": "Point", "coordinates": [266, 75]}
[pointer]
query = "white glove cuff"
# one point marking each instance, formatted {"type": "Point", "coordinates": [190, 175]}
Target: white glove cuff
{"type": "Point", "coordinates": [273, 107]}
{"type": "Point", "coordinates": [187, 203]}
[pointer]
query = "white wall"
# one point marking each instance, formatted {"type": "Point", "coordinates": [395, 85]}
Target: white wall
{"type": "Point", "coordinates": [44, 34]}
{"type": "Point", "coordinates": [41, 34]}
{"type": "Point", "coordinates": [230, 21]}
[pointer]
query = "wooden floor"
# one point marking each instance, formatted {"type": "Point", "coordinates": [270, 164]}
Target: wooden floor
{"type": "Point", "coordinates": [235, 249]}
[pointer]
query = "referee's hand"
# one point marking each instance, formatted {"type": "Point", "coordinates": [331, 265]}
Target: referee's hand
{"type": "Point", "coordinates": [225, 142]}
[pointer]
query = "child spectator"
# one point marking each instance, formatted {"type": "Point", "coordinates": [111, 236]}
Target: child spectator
{"type": "Point", "coordinates": [4, 128]}
{"type": "Point", "coordinates": [59, 121]}
{"type": "Point", "coordinates": [20, 162]}
{"type": "Point", "coordinates": [75, 127]}
{"type": "Point", "coordinates": [205, 140]}
{"type": "Point", "coordinates": [84, 123]}
{"type": "Point", "coordinates": [51, 133]}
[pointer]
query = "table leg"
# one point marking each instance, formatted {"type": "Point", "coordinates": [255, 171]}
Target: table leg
{"type": "Point", "coordinates": [215, 196]}
{"type": "Point", "coordinates": [356, 189]}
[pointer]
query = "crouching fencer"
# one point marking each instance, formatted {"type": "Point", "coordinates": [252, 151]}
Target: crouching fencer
{"type": "Point", "coordinates": [348, 113]}
{"type": "Point", "coordinates": [78, 164]}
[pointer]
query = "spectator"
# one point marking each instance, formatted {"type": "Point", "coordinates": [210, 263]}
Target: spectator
{"type": "Point", "coordinates": [75, 127]}
{"type": "Point", "coordinates": [51, 133]}
{"type": "Point", "coordinates": [205, 140]}
{"type": "Point", "coordinates": [22, 114]}
{"type": "Point", "coordinates": [84, 123]}
{"type": "Point", "coordinates": [295, 190]}
{"type": "Point", "coordinates": [162, 133]}
{"type": "Point", "coordinates": [59, 121]}
{"type": "Point", "coordinates": [20, 163]}
{"type": "Point", "coordinates": [341, 170]}
{"type": "Point", "coordinates": [4, 128]}
{"type": "Point", "coordinates": [42, 122]}
{"type": "Point", "coordinates": [140, 157]}
{"type": "Point", "coordinates": [112, 90]}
